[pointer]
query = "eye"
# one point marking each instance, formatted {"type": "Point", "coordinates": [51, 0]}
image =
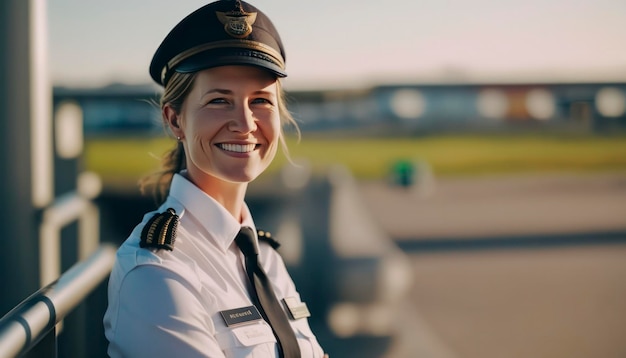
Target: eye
{"type": "Point", "coordinates": [262, 100]}
{"type": "Point", "coordinates": [217, 101]}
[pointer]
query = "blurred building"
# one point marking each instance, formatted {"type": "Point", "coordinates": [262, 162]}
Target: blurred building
{"type": "Point", "coordinates": [390, 109]}
{"type": "Point", "coordinates": [115, 109]}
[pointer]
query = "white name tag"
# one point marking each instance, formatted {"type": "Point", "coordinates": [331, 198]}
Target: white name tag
{"type": "Point", "coordinates": [296, 308]}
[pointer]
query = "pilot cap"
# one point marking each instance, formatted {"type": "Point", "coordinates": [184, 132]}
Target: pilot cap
{"type": "Point", "coordinates": [225, 32]}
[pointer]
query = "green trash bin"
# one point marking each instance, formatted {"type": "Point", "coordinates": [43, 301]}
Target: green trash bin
{"type": "Point", "coordinates": [404, 173]}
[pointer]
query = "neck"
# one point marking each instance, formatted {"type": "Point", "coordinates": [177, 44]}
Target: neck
{"type": "Point", "coordinates": [230, 195]}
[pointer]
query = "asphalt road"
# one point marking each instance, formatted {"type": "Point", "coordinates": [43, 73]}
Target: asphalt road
{"type": "Point", "coordinates": [558, 291]}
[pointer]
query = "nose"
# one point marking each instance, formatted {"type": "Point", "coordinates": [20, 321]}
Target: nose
{"type": "Point", "coordinates": [243, 121]}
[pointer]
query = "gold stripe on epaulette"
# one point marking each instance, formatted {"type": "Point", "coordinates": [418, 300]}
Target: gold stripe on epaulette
{"type": "Point", "coordinates": [160, 231]}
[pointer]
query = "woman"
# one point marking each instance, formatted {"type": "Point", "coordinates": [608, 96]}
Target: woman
{"type": "Point", "coordinates": [193, 279]}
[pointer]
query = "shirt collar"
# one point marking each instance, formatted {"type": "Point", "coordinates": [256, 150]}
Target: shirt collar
{"type": "Point", "coordinates": [215, 219]}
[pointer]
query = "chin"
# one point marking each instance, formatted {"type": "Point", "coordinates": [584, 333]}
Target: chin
{"type": "Point", "coordinates": [244, 176]}
{"type": "Point", "coordinates": [233, 173]}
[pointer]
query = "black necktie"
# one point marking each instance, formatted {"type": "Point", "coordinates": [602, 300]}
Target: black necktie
{"type": "Point", "coordinates": [264, 297]}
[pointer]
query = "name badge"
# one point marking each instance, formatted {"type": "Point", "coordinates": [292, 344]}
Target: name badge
{"type": "Point", "coordinates": [240, 315]}
{"type": "Point", "coordinates": [296, 308]}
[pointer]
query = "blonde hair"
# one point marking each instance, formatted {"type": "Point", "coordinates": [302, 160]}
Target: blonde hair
{"type": "Point", "coordinates": [173, 161]}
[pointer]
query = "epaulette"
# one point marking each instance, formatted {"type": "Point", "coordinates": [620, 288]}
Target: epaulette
{"type": "Point", "coordinates": [266, 236]}
{"type": "Point", "coordinates": [160, 231]}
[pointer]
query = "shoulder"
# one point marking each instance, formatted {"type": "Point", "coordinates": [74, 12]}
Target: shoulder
{"type": "Point", "coordinates": [142, 268]}
{"type": "Point", "coordinates": [269, 253]}
{"type": "Point", "coordinates": [267, 238]}
{"type": "Point", "coordinates": [151, 244]}
{"type": "Point", "coordinates": [268, 250]}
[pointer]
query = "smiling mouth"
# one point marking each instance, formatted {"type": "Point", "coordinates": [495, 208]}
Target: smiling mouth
{"type": "Point", "coordinates": [237, 148]}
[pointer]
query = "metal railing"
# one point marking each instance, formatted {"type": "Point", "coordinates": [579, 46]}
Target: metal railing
{"type": "Point", "coordinates": [67, 208]}
{"type": "Point", "coordinates": [31, 325]}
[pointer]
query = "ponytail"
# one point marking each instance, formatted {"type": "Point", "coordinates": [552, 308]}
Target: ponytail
{"type": "Point", "coordinates": [158, 184]}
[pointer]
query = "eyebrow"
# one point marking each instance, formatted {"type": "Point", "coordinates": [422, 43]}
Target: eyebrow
{"type": "Point", "coordinates": [217, 90]}
{"type": "Point", "coordinates": [229, 92]}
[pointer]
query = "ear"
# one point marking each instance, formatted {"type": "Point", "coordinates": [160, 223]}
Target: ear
{"type": "Point", "coordinates": [173, 121]}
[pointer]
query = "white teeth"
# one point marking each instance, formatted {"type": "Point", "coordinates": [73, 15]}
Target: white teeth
{"type": "Point", "coordinates": [239, 148]}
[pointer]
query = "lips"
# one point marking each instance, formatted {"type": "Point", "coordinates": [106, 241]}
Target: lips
{"type": "Point", "coordinates": [237, 148]}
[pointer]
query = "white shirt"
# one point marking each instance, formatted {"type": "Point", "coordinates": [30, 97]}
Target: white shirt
{"type": "Point", "coordinates": [168, 303]}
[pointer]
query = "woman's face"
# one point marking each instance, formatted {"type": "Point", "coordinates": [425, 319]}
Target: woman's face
{"type": "Point", "coordinates": [229, 124]}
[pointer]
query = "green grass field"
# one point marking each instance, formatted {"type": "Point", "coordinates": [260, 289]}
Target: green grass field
{"type": "Point", "coordinates": [122, 161]}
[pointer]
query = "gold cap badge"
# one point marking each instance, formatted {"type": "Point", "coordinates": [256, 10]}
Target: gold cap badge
{"type": "Point", "coordinates": [237, 24]}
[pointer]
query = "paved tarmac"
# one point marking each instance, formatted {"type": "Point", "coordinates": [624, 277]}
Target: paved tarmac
{"type": "Point", "coordinates": [511, 301]}
{"type": "Point", "coordinates": [506, 206]}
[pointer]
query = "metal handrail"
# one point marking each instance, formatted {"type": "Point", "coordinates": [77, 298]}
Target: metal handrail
{"type": "Point", "coordinates": [33, 318]}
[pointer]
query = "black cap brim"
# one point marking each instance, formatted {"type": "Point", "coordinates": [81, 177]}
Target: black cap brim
{"type": "Point", "coordinates": [225, 57]}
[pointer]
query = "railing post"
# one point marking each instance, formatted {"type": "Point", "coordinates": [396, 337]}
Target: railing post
{"type": "Point", "coordinates": [25, 156]}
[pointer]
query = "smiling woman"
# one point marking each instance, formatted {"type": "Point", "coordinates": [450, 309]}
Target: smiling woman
{"type": "Point", "coordinates": [194, 279]}
{"type": "Point", "coordinates": [228, 113]}
{"type": "Point", "coordinates": [265, 98]}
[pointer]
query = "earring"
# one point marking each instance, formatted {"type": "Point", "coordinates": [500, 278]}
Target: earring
{"type": "Point", "coordinates": [178, 139]}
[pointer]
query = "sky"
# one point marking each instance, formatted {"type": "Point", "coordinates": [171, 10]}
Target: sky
{"type": "Point", "coordinates": [350, 43]}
